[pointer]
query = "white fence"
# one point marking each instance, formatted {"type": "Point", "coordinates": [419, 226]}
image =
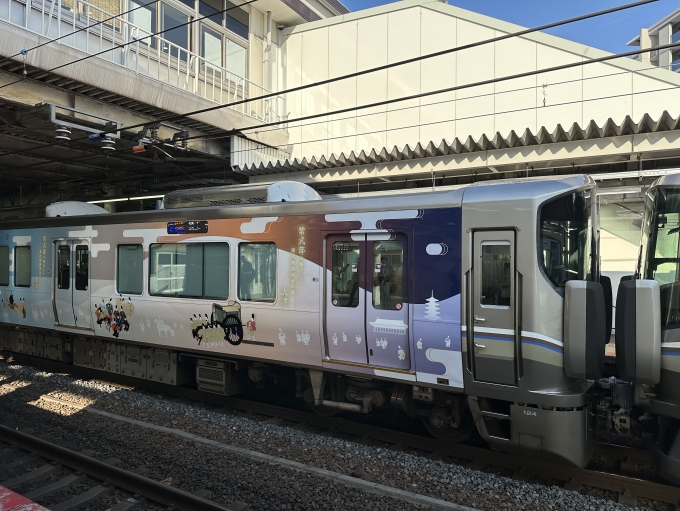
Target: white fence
{"type": "Point", "coordinates": [153, 56]}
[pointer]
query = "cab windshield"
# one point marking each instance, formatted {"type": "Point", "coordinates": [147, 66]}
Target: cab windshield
{"type": "Point", "coordinates": [662, 258]}
{"type": "Point", "coordinates": [565, 238]}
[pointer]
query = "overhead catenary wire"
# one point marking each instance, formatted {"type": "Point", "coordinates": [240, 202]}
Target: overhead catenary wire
{"type": "Point", "coordinates": [432, 123]}
{"type": "Point", "coordinates": [397, 128]}
{"type": "Point", "coordinates": [478, 96]}
{"type": "Point", "coordinates": [70, 34]}
{"type": "Point", "coordinates": [135, 41]}
{"type": "Point", "coordinates": [371, 70]}
{"type": "Point", "coordinates": [445, 90]}
{"type": "Point", "coordinates": [402, 62]}
{"type": "Point", "coordinates": [505, 112]}
{"type": "Point", "coordinates": [435, 103]}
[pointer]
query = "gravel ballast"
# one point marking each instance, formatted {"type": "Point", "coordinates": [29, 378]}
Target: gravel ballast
{"type": "Point", "coordinates": [193, 466]}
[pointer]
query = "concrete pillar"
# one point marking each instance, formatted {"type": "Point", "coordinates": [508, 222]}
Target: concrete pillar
{"type": "Point", "coordinates": [645, 42]}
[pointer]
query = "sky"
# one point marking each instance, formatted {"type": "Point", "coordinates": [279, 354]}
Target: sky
{"type": "Point", "coordinates": [610, 32]}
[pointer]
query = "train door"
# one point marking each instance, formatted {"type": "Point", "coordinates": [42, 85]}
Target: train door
{"type": "Point", "coordinates": [493, 307]}
{"type": "Point", "coordinates": [366, 305]}
{"type": "Point", "coordinates": [72, 283]}
{"type": "Point", "coordinates": [346, 298]}
{"type": "Point", "coordinates": [386, 303]}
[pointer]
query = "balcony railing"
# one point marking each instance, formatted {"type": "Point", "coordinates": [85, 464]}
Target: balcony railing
{"type": "Point", "coordinates": [675, 65]}
{"type": "Point", "coordinates": [154, 56]}
{"type": "Point", "coordinates": [675, 37]}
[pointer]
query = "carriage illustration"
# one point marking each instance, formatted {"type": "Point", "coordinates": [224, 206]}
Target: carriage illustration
{"type": "Point", "coordinates": [224, 324]}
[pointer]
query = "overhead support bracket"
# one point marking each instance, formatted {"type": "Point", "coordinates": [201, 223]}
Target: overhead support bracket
{"type": "Point", "coordinates": [66, 116]}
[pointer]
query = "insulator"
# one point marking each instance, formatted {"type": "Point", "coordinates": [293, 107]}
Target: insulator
{"type": "Point", "coordinates": [185, 143]}
{"type": "Point", "coordinates": [63, 134]}
{"type": "Point", "coordinates": [108, 144]}
{"type": "Point", "coordinates": [154, 133]}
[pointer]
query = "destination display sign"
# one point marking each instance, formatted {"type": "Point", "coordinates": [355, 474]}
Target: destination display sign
{"type": "Point", "coordinates": [188, 227]}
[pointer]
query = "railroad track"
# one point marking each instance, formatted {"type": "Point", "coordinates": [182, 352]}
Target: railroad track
{"type": "Point", "coordinates": [625, 487]}
{"type": "Point", "coordinates": [48, 470]}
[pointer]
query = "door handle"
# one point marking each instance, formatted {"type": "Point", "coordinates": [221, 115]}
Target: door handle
{"type": "Point", "coordinates": [479, 320]}
{"type": "Point", "coordinates": [479, 346]}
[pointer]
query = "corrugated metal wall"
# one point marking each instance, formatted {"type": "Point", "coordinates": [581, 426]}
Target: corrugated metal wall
{"type": "Point", "coordinates": [246, 152]}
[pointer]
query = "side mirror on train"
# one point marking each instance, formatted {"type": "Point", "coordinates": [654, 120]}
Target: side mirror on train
{"type": "Point", "coordinates": [638, 331]}
{"type": "Point", "coordinates": [585, 324]}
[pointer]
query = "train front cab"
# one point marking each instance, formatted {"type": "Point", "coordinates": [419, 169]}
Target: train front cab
{"type": "Point", "coordinates": [648, 348]}
{"type": "Point", "coordinates": [528, 247]}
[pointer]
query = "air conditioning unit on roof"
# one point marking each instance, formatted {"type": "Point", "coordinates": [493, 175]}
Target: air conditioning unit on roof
{"type": "Point", "coordinates": [284, 191]}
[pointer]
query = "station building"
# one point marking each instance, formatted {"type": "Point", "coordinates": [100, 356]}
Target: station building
{"type": "Point", "coordinates": [617, 119]}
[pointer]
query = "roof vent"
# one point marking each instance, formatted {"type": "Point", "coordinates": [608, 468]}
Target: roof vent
{"type": "Point", "coordinates": [72, 208]}
{"type": "Point", "coordinates": [284, 191]}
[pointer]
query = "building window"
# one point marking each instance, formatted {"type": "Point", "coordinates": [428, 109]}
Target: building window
{"type": "Point", "coordinates": [4, 266]}
{"type": "Point", "coordinates": [237, 20]}
{"type": "Point", "coordinates": [211, 46]}
{"type": "Point", "coordinates": [144, 18]}
{"type": "Point", "coordinates": [257, 272]}
{"type": "Point", "coordinates": [171, 18]}
{"type": "Point", "coordinates": [215, 45]}
{"type": "Point", "coordinates": [130, 276]}
{"type": "Point", "coordinates": [189, 270]}
{"type": "Point", "coordinates": [236, 58]}
{"type": "Point", "coordinates": [22, 266]}
{"type": "Point", "coordinates": [214, 33]}
{"type": "Point", "coordinates": [213, 9]}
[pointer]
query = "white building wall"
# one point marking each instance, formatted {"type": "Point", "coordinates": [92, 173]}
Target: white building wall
{"type": "Point", "coordinates": [359, 41]}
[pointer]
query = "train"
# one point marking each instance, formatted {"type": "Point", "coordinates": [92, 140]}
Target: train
{"type": "Point", "coordinates": [649, 355]}
{"type": "Point", "coordinates": [479, 309]}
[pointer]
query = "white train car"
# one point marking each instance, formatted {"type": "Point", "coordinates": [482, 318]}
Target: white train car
{"type": "Point", "coordinates": [448, 304]}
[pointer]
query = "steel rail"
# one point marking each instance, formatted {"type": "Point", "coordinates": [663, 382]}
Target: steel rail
{"type": "Point", "coordinates": [480, 457]}
{"type": "Point", "coordinates": [621, 484]}
{"type": "Point", "coordinates": [129, 481]}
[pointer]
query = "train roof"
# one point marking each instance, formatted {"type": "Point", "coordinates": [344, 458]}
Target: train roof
{"type": "Point", "coordinates": [421, 198]}
{"type": "Point", "coordinates": [667, 180]}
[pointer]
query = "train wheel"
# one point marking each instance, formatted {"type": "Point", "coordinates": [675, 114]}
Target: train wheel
{"type": "Point", "coordinates": [452, 435]}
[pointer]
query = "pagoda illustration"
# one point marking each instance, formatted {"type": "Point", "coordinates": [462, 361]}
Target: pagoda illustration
{"type": "Point", "coordinates": [432, 308]}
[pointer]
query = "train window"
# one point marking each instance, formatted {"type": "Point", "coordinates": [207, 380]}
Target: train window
{"type": "Point", "coordinates": [130, 276]}
{"type": "Point", "coordinates": [346, 268]}
{"type": "Point", "coordinates": [495, 274]}
{"type": "Point", "coordinates": [189, 270]}
{"type": "Point", "coordinates": [257, 272]}
{"type": "Point", "coordinates": [191, 286]}
{"type": "Point", "coordinates": [63, 267]}
{"type": "Point", "coordinates": [82, 267]}
{"type": "Point", "coordinates": [565, 238]}
{"type": "Point", "coordinates": [388, 263]}
{"type": "Point", "coordinates": [4, 266]}
{"type": "Point", "coordinates": [216, 270]}
{"type": "Point", "coordinates": [662, 260]}
{"type": "Point", "coordinates": [22, 266]}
